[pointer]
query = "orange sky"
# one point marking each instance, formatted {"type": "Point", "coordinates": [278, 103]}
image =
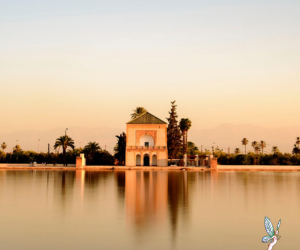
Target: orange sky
{"type": "Point", "coordinates": [228, 62]}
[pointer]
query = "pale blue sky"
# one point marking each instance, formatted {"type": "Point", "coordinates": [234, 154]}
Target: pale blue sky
{"type": "Point", "coordinates": [89, 63]}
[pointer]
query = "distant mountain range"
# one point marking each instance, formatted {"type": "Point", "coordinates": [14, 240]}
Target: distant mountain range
{"type": "Point", "coordinates": [224, 136]}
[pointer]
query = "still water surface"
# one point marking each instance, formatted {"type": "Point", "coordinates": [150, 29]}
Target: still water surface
{"type": "Point", "coordinates": [146, 210]}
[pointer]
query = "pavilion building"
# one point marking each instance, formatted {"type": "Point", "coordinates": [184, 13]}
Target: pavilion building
{"type": "Point", "coordinates": [146, 141]}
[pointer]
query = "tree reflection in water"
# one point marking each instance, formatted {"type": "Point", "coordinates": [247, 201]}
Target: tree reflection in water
{"type": "Point", "coordinates": [177, 197]}
{"type": "Point", "coordinates": [120, 180]}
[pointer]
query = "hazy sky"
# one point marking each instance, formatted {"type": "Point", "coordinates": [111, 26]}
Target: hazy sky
{"type": "Point", "coordinates": [90, 63]}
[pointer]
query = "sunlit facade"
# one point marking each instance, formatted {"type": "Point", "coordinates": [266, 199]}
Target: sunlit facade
{"type": "Point", "coordinates": [146, 141]}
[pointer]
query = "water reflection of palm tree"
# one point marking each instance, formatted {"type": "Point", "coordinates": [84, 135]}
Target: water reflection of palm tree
{"type": "Point", "coordinates": [177, 197]}
{"type": "Point", "coordinates": [63, 183]}
{"type": "Point", "coordinates": [120, 180]}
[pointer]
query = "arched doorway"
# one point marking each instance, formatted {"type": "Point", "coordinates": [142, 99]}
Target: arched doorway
{"type": "Point", "coordinates": [138, 160]}
{"type": "Point", "coordinates": [146, 160]}
{"type": "Point", "coordinates": [154, 160]}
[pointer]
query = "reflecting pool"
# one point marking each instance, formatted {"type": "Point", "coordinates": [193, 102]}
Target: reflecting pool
{"type": "Point", "coordinates": [146, 209]}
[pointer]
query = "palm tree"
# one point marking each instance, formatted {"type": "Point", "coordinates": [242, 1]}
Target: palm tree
{"type": "Point", "coordinates": [254, 144]}
{"type": "Point", "coordinates": [90, 149]}
{"type": "Point", "coordinates": [245, 142]}
{"type": "Point", "coordinates": [185, 124]}
{"type": "Point", "coordinates": [137, 112]}
{"type": "Point", "coordinates": [17, 148]}
{"type": "Point", "coordinates": [257, 148]}
{"type": "Point", "coordinates": [237, 151]}
{"type": "Point", "coordinates": [64, 141]}
{"type": "Point", "coordinates": [275, 150]}
{"type": "Point", "coordinates": [262, 145]}
{"type": "Point", "coordinates": [3, 146]}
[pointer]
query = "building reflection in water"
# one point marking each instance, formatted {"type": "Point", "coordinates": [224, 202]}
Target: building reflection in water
{"type": "Point", "coordinates": [153, 200]}
{"type": "Point", "coordinates": [146, 195]}
{"type": "Point", "coordinates": [156, 199]}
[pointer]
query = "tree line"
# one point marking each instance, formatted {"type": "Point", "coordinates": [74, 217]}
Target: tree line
{"type": "Point", "coordinates": [177, 143]}
{"type": "Point", "coordinates": [93, 153]}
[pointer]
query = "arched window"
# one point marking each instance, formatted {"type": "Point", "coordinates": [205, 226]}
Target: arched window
{"type": "Point", "coordinates": [154, 160]}
{"type": "Point", "coordinates": [146, 141]}
{"type": "Point", "coordinates": [138, 160]}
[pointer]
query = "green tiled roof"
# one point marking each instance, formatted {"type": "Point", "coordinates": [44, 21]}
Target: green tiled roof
{"type": "Point", "coordinates": [146, 118]}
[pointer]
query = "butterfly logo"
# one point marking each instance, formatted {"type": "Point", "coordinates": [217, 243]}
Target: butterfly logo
{"type": "Point", "coordinates": [273, 235]}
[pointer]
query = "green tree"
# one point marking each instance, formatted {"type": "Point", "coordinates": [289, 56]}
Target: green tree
{"type": "Point", "coordinates": [245, 142]}
{"type": "Point", "coordinates": [217, 151]}
{"type": "Point", "coordinates": [237, 151]}
{"type": "Point", "coordinates": [254, 144]}
{"type": "Point", "coordinates": [64, 142]}
{"type": "Point", "coordinates": [120, 148]}
{"type": "Point", "coordinates": [17, 149]}
{"type": "Point", "coordinates": [192, 149]}
{"type": "Point", "coordinates": [207, 152]}
{"type": "Point", "coordinates": [137, 112]}
{"type": "Point", "coordinates": [3, 146]}
{"type": "Point", "coordinates": [257, 148]}
{"type": "Point", "coordinates": [185, 124]}
{"type": "Point", "coordinates": [275, 150]}
{"type": "Point", "coordinates": [173, 133]}
{"type": "Point", "coordinates": [103, 157]}
{"type": "Point", "coordinates": [90, 149]}
{"type": "Point", "coordinates": [296, 150]}
{"type": "Point", "coordinates": [262, 145]}
{"type": "Point", "coordinates": [2, 156]}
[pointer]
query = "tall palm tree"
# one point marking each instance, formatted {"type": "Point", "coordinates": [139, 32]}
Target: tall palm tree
{"type": "Point", "coordinates": [64, 141]}
{"type": "Point", "coordinates": [90, 149]}
{"type": "Point", "coordinates": [262, 145]}
{"type": "Point", "coordinates": [3, 146]}
{"type": "Point", "coordinates": [185, 124]}
{"type": "Point", "coordinates": [137, 112]}
{"type": "Point", "coordinates": [245, 142]}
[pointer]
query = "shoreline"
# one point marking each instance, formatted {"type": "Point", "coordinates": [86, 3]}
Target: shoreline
{"type": "Point", "coordinates": [258, 168]}
{"type": "Point", "coordinates": [122, 168]}
{"type": "Point", "coordinates": [72, 167]}
{"type": "Point", "coordinates": [95, 168]}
